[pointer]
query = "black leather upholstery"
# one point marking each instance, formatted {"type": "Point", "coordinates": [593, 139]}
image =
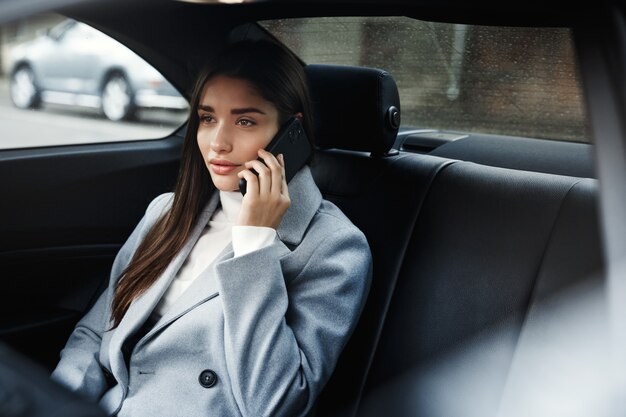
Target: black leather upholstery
{"type": "Point", "coordinates": [352, 110]}
{"type": "Point", "coordinates": [488, 244]}
{"type": "Point", "coordinates": [540, 155]}
{"type": "Point", "coordinates": [574, 251]}
{"type": "Point", "coordinates": [351, 107]}
{"type": "Point", "coordinates": [459, 248]}
{"type": "Point", "coordinates": [383, 197]}
{"type": "Point", "coordinates": [474, 255]}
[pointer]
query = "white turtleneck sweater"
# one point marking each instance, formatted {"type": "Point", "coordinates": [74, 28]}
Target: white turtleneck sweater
{"type": "Point", "coordinates": [217, 234]}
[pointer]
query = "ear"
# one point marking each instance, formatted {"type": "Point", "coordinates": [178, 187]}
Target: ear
{"type": "Point", "coordinates": [298, 115]}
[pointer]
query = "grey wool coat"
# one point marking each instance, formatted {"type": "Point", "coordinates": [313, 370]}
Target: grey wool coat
{"type": "Point", "coordinates": [254, 335]}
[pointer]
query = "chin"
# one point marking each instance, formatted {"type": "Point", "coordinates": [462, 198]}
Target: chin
{"type": "Point", "coordinates": [224, 184]}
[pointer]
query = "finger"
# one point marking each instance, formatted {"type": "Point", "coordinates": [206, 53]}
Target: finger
{"type": "Point", "coordinates": [259, 167]}
{"type": "Point", "coordinates": [252, 186]}
{"type": "Point", "coordinates": [265, 179]}
{"type": "Point", "coordinates": [277, 172]}
{"type": "Point", "coordinates": [269, 158]}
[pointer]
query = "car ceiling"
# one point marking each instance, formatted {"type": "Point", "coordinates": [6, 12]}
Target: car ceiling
{"type": "Point", "coordinates": [529, 12]}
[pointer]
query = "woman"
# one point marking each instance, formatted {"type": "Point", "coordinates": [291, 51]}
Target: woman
{"type": "Point", "coordinates": [221, 304]}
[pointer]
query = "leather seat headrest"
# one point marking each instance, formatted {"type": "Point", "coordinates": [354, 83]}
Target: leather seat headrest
{"type": "Point", "coordinates": [354, 108]}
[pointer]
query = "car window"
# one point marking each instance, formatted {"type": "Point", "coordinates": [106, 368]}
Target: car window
{"type": "Point", "coordinates": [496, 80]}
{"type": "Point", "coordinates": [63, 82]}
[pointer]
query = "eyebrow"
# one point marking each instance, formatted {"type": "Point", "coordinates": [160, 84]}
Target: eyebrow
{"type": "Point", "coordinates": [233, 111]}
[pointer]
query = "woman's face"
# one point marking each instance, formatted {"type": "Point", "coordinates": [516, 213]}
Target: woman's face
{"type": "Point", "coordinates": [234, 123]}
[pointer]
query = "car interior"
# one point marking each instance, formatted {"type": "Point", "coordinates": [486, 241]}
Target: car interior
{"type": "Point", "coordinates": [472, 237]}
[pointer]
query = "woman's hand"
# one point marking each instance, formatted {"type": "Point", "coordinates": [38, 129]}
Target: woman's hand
{"type": "Point", "coordinates": [267, 196]}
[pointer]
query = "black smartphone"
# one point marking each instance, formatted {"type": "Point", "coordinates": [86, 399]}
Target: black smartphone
{"type": "Point", "coordinates": [292, 142]}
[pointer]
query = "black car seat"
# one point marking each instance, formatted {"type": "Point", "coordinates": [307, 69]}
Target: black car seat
{"type": "Point", "coordinates": [357, 114]}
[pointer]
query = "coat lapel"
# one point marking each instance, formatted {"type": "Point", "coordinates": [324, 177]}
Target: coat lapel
{"type": "Point", "coordinates": [143, 306]}
{"type": "Point", "coordinates": [202, 289]}
{"type": "Point", "coordinates": [305, 201]}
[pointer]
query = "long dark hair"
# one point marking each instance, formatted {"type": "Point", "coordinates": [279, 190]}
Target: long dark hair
{"type": "Point", "coordinates": [279, 77]}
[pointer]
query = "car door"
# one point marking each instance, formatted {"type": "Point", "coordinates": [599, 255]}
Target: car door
{"type": "Point", "coordinates": [68, 211]}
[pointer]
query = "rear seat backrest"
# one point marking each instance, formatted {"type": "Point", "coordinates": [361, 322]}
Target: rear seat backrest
{"type": "Point", "coordinates": [458, 248]}
{"type": "Point", "coordinates": [381, 195]}
{"type": "Point", "coordinates": [483, 240]}
{"type": "Point", "coordinates": [384, 205]}
{"type": "Point", "coordinates": [574, 252]}
{"type": "Point", "coordinates": [562, 361]}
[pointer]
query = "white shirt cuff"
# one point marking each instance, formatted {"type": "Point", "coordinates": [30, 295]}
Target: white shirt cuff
{"type": "Point", "coordinates": [247, 239]}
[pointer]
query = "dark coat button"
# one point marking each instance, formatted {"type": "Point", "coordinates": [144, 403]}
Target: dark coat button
{"type": "Point", "coordinates": [207, 378]}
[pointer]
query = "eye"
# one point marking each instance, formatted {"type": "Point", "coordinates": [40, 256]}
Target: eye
{"type": "Point", "coordinates": [245, 122]}
{"type": "Point", "coordinates": [206, 118]}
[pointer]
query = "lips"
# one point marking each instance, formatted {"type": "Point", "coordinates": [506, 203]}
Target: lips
{"type": "Point", "coordinates": [222, 166]}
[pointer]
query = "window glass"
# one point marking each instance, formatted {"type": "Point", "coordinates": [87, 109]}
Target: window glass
{"type": "Point", "coordinates": [63, 82]}
{"type": "Point", "coordinates": [495, 80]}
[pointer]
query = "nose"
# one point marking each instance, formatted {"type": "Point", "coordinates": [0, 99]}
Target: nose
{"type": "Point", "coordinates": [220, 139]}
